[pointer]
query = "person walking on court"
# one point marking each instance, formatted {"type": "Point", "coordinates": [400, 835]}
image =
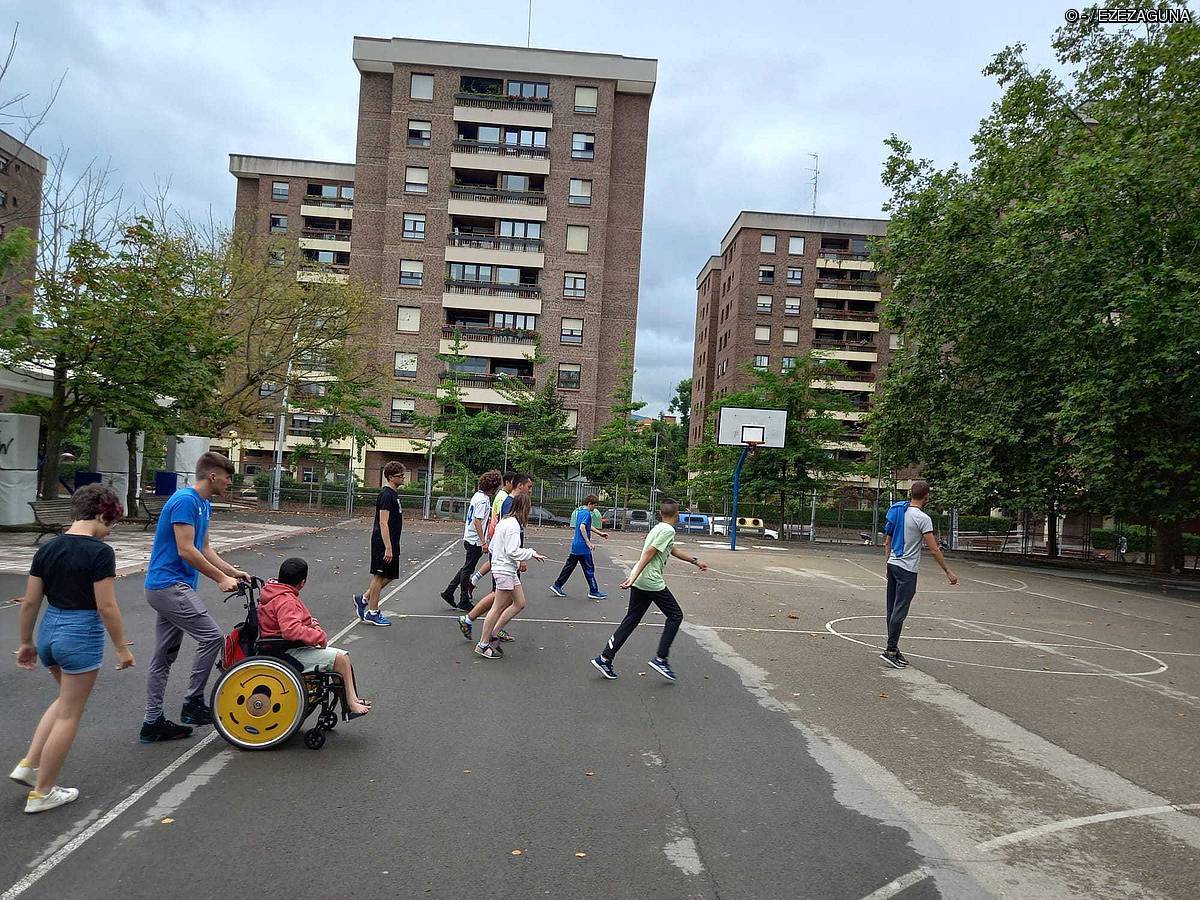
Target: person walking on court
{"type": "Point", "coordinates": [646, 585]}
{"type": "Point", "coordinates": [508, 557]}
{"type": "Point", "coordinates": [499, 504]}
{"type": "Point", "coordinates": [521, 485]}
{"type": "Point", "coordinates": [582, 529]}
{"type": "Point", "coordinates": [181, 552]}
{"type": "Point", "coordinates": [385, 546]}
{"type": "Point", "coordinates": [475, 539]}
{"type": "Point", "coordinates": [908, 528]}
{"type": "Point", "coordinates": [75, 572]}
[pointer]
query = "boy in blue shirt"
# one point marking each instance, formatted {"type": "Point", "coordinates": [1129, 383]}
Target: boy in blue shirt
{"type": "Point", "coordinates": [181, 552]}
{"type": "Point", "coordinates": [582, 529]}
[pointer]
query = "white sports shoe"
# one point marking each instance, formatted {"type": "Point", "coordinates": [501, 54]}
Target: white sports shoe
{"type": "Point", "coordinates": [24, 774]}
{"type": "Point", "coordinates": [56, 796]}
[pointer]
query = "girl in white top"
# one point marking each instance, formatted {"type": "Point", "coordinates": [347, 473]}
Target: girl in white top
{"type": "Point", "coordinates": [507, 558]}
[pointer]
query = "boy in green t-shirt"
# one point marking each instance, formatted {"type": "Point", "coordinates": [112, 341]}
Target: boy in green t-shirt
{"type": "Point", "coordinates": [646, 586]}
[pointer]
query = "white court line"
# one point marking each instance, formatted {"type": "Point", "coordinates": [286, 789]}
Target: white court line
{"type": "Point", "coordinates": [92, 830]}
{"type": "Point", "coordinates": [892, 888]}
{"type": "Point", "coordinates": [1026, 834]}
{"type": "Point", "coordinates": [1002, 588]}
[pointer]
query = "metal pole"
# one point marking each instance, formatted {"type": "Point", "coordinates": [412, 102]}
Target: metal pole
{"type": "Point", "coordinates": [812, 522]}
{"type": "Point", "coordinates": [737, 483]}
{"type": "Point", "coordinates": [878, 488]}
{"type": "Point", "coordinates": [277, 475]}
{"type": "Point", "coordinates": [654, 482]}
{"type": "Point", "coordinates": [350, 480]}
{"type": "Point", "coordinates": [428, 474]}
{"type": "Point", "coordinates": [506, 425]}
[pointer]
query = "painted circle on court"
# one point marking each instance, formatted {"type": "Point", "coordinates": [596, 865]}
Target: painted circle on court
{"type": "Point", "coordinates": [1013, 642]}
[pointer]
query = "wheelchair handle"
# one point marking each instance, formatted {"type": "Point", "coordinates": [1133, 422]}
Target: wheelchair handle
{"type": "Point", "coordinates": [247, 588]}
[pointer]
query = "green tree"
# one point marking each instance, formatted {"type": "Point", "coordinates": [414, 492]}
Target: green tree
{"type": "Point", "coordinates": [681, 403]}
{"type": "Point", "coordinates": [620, 454]}
{"type": "Point", "coordinates": [542, 444]}
{"type": "Point", "coordinates": [1048, 295]}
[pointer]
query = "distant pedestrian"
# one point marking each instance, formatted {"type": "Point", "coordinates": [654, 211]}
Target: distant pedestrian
{"type": "Point", "coordinates": [521, 485]}
{"type": "Point", "coordinates": [475, 539]}
{"type": "Point", "coordinates": [908, 528]}
{"type": "Point", "coordinates": [385, 545]}
{"type": "Point", "coordinates": [646, 585]}
{"type": "Point", "coordinates": [181, 552]}
{"type": "Point", "coordinates": [76, 573]}
{"type": "Point", "coordinates": [508, 555]}
{"type": "Point", "coordinates": [582, 529]}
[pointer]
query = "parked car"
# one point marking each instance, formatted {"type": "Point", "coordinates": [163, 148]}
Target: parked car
{"type": "Point", "coordinates": [539, 515]}
{"type": "Point", "coordinates": [748, 527]}
{"type": "Point", "coordinates": [638, 520]}
{"type": "Point", "coordinates": [615, 518]}
{"type": "Point", "coordinates": [693, 523]}
{"type": "Point", "coordinates": [451, 508]}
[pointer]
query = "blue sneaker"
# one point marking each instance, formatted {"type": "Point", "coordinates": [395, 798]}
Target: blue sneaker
{"type": "Point", "coordinates": [557, 591]}
{"type": "Point", "coordinates": [597, 595]}
{"type": "Point", "coordinates": [605, 667]}
{"type": "Point", "coordinates": [376, 617]}
{"type": "Point", "coordinates": [360, 604]}
{"type": "Point", "coordinates": [663, 668]}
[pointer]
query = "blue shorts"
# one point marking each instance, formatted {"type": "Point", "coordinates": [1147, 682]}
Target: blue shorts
{"type": "Point", "coordinates": [72, 639]}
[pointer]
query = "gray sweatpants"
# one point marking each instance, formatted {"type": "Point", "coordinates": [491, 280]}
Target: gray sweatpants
{"type": "Point", "coordinates": [180, 611]}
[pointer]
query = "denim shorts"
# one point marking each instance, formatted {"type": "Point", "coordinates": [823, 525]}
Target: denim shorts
{"type": "Point", "coordinates": [72, 639]}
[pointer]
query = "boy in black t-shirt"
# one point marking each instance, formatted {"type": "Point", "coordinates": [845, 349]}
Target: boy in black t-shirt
{"type": "Point", "coordinates": [385, 546]}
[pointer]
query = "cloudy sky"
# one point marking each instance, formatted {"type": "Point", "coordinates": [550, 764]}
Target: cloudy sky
{"type": "Point", "coordinates": [166, 90]}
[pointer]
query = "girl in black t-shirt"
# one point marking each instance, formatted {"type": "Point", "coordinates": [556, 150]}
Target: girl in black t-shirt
{"type": "Point", "coordinates": [75, 573]}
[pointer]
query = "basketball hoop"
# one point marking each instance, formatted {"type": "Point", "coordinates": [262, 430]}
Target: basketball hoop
{"type": "Point", "coordinates": [752, 446]}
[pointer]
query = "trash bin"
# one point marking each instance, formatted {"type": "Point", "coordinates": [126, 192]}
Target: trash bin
{"type": "Point", "coordinates": [165, 483]}
{"type": "Point", "coordinates": [85, 478]}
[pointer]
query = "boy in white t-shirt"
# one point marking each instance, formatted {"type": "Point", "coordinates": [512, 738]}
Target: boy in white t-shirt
{"type": "Point", "coordinates": [475, 539]}
{"type": "Point", "coordinates": [909, 529]}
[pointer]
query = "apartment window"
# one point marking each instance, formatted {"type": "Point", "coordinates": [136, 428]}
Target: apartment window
{"type": "Point", "coordinates": [789, 363]}
{"type": "Point", "coordinates": [764, 303]}
{"type": "Point", "coordinates": [279, 191]}
{"type": "Point", "coordinates": [583, 145]}
{"type": "Point", "coordinates": [308, 475]}
{"type": "Point", "coordinates": [795, 275]}
{"type": "Point", "coordinates": [277, 257]}
{"type": "Point", "coordinates": [577, 238]}
{"type": "Point", "coordinates": [514, 182]}
{"type": "Point", "coordinates": [412, 272]}
{"type": "Point", "coordinates": [514, 228]}
{"type": "Point", "coordinates": [406, 365]}
{"type": "Point", "coordinates": [791, 306]}
{"type": "Point", "coordinates": [408, 318]}
{"type": "Point", "coordinates": [791, 335]}
{"type": "Point", "coordinates": [572, 331]}
{"type": "Point", "coordinates": [515, 321]}
{"type": "Point", "coordinates": [762, 362]}
{"type": "Point", "coordinates": [586, 99]}
{"type": "Point", "coordinates": [568, 376]}
{"type": "Point", "coordinates": [347, 192]}
{"type": "Point", "coordinates": [471, 272]}
{"type": "Point", "coordinates": [581, 192]}
{"type": "Point", "coordinates": [766, 274]}
{"type": "Point", "coordinates": [762, 333]}
{"type": "Point", "coordinates": [403, 410]}
{"type": "Point", "coordinates": [312, 389]}
{"type": "Point", "coordinates": [529, 90]}
{"type": "Point", "coordinates": [895, 342]}
{"type": "Point", "coordinates": [575, 284]}
{"type": "Point", "coordinates": [572, 418]}
{"type": "Point", "coordinates": [766, 243]}
{"type": "Point", "coordinates": [420, 87]}
{"type": "Point", "coordinates": [278, 224]}
{"type": "Point", "coordinates": [420, 134]}
{"type": "Point", "coordinates": [251, 469]}
{"type": "Point", "coordinates": [796, 245]}
{"type": "Point", "coordinates": [416, 179]}
{"type": "Point", "coordinates": [414, 226]}
{"type": "Point", "coordinates": [267, 389]}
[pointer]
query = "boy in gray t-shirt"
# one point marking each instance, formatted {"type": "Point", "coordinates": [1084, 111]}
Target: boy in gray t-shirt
{"type": "Point", "coordinates": [909, 530]}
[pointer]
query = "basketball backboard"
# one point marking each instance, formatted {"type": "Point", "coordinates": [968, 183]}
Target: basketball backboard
{"type": "Point", "coordinates": [739, 426]}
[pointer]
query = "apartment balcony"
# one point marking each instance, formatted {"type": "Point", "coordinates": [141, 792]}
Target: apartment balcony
{"type": "Point", "coordinates": [845, 260]}
{"type": "Point", "coordinates": [495, 250]}
{"type": "Point", "coordinates": [497, 157]}
{"type": "Point", "coordinates": [828, 344]}
{"type": "Point", "coordinates": [847, 289]}
{"type": "Point", "coordinates": [848, 320]}
{"type": "Point", "coordinates": [484, 388]}
{"type": "Point", "coordinates": [314, 206]}
{"type": "Point", "coordinates": [337, 241]}
{"type": "Point", "coordinates": [494, 109]}
{"type": "Point", "coordinates": [493, 289]}
{"type": "Point", "coordinates": [847, 351]}
{"type": "Point", "coordinates": [472, 200]}
{"type": "Point", "coordinates": [488, 342]}
{"type": "Point", "coordinates": [327, 274]}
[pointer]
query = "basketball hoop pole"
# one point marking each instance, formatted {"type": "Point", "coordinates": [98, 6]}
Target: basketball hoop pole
{"type": "Point", "coordinates": [737, 481]}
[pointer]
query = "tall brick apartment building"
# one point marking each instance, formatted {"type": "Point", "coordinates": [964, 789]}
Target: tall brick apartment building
{"type": "Point", "coordinates": [784, 285]}
{"type": "Point", "coordinates": [21, 172]}
{"type": "Point", "coordinates": [497, 194]}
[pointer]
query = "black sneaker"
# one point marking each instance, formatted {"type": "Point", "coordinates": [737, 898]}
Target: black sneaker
{"type": "Point", "coordinates": [893, 659]}
{"type": "Point", "coordinates": [900, 658]}
{"type": "Point", "coordinates": [161, 729]}
{"type": "Point", "coordinates": [465, 605]}
{"type": "Point", "coordinates": [195, 712]}
{"type": "Point", "coordinates": [449, 598]}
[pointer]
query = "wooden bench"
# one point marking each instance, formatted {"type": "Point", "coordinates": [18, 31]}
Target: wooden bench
{"type": "Point", "coordinates": [153, 507]}
{"type": "Point", "coordinates": [51, 516]}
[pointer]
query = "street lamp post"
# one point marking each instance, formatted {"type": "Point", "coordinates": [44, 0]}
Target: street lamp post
{"type": "Point", "coordinates": [654, 481]}
{"type": "Point", "coordinates": [429, 474]}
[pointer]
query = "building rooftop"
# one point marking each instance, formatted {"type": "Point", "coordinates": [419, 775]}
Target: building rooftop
{"type": "Point", "coordinates": [797, 222]}
{"type": "Point", "coordinates": [14, 148]}
{"type": "Point", "coordinates": [243, 165]}
{"type": "Point", "coordinates": [634, 75]}
{"type": "Point", "coordinates": [712, 265]}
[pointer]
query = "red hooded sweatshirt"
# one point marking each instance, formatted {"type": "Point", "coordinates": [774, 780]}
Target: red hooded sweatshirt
{"type": "Point", "coordinates": [281, 613]}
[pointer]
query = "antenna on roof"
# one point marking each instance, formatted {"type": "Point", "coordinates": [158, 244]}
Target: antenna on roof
{"type": "Point", "coordinates": [529, 31]}
{"type": "Point", "coordinates": [816, 170]}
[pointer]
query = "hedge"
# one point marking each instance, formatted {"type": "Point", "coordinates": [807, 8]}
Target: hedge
{"type": "Point", "coordinates": [1139, 539]}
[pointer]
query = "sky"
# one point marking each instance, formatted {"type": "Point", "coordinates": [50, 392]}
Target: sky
{"type": "Point", "coordinates": [164, 91]}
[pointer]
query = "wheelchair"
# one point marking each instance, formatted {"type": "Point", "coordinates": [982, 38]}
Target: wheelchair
{"type": "Point", "coordinates": [263, 695]}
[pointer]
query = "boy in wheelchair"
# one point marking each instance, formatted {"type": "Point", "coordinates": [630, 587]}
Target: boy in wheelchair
{"type": "Point", "coordinates": [283, 615]}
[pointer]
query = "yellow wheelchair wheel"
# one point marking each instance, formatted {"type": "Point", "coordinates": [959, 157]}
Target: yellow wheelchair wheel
{"type": "Point", "coordinates": [259, 703]}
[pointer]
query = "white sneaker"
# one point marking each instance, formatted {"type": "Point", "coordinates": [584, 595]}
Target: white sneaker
{"type": "Point", "coordinates": [24, 774]}
{"type": "Point", "coordinates": [56, 796]}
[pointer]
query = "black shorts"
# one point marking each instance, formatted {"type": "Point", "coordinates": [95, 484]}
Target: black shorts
{"type": "Point", "coordinates": [381, 567]}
